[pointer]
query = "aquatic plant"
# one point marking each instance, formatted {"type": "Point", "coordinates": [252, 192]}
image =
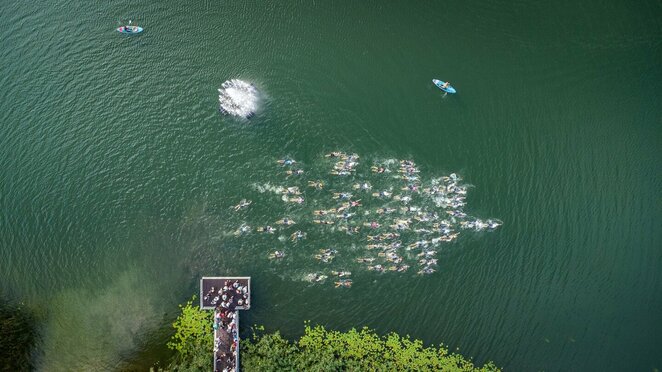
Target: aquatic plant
{"type": "Point", "coordinates": [193, 340]}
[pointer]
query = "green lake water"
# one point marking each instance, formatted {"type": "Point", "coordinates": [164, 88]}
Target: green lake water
{"type": "Point", "coordinates": [117, 173]}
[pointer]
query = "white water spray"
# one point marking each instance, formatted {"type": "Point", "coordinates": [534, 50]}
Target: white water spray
{"type": "Point", "coordinates": [238, 98]}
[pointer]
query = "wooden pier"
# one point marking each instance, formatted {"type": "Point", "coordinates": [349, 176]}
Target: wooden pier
{"type": "Point", "coordinates": [226, 316]}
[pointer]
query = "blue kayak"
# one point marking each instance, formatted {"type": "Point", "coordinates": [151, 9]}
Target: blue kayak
{"type": "Point", "coordinates": [440, 85]}
{"type": "Point", "coordinates": [130, 30]}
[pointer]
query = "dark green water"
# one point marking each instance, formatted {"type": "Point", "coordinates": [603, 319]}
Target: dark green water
{"type": "Point", "coordinates": [116, 170]}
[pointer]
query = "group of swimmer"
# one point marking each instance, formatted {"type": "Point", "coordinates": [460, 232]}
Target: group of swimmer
{"type": "Point", "coordinates": [341, 276]}
{"type": "Point", "coordinates": [396, 234]}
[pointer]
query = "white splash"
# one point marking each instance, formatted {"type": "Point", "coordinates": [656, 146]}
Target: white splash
{"type": "Point", "coordinates": [238, 98]}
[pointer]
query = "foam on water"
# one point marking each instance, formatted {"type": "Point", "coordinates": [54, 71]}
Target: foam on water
{"type": "Point", "coordinates": [267, 187]}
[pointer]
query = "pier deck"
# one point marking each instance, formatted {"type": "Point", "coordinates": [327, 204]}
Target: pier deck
{"type": "Point", "coordinates": [226, 319]}
{"type": "Point", "coordinates": [217, 282]}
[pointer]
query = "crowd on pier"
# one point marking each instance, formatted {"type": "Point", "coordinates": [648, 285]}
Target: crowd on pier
{"type": "Point", "coordinates": [227, 300]}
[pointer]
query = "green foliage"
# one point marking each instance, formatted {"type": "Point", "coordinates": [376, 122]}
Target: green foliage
{"type": "Point", "coordinates": [322, 350]}
{"type": "Point", "coordinates": [193, 340]}
{"type": "Point", "coordinates": [317, 350]}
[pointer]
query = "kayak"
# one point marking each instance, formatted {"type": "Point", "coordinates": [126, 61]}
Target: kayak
{"type": "Point", "coordinates": [440, 85]}
{"type": "Point", "coordinates": [130, 29]}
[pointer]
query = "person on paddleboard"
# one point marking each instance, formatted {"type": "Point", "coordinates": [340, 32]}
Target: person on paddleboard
{"type": "Point", "coordinates": [446, 85]}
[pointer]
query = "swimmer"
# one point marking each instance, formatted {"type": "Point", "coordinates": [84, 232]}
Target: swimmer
{"type": "Point", "coordinates": [383, 254]}
{"type": "Point", "coordinates": [292, 190]}
{"type": "Point", "coordinates": [349, 229]}
{"type": "Point", "coordinates": [436, 241]}
{"type": "Point", "coordinates": [394, 258]}
{"type": "Point", "coordinates": [320, 212]}
{"type": "Point", "coordinates": [355, 203]}
{"type": "Point", "coordinates": [408, 170]}
{"type": "Point", "coordinates": [342, 195]}
{"type": "Point", "coordinates": [342, 207]}
{"type": "Point", "coordinates": [285, 221]}
{"type": "Point", "coordinates": [385, 210]}
{"type": "Point", "coordinates": [362, 186]}
{"type": "Point", "coordinates": [242, 204]}
{"type": "Point", "coordinates": [347, 283]}
{"type": "Point", "coordinates": [445, 230]}
{"type": "Point", "coordinates": [404, 199]}
{"type": "Point", "coordinates": [326, 255]}
{"type": "Point", "coordinates": [419, 244]}
{"type": "Point", "coordinates": [341, 274]}
{"type": "Point", "coordinates": [286, 161]}
{"type": "Point", "coordinates": [412, 188]}
{"type": "Point", "coordinates": [413, 180]}
{"type": "Point", "coordinates": [480, 225]}
{"type": "Point", "coordinates": [431, 190]}
{"type": "Point", "coordinates": [390, 235]}
{"type": "Point", "coordinates": [316, 278]}
{"type": "Point", "coordinates": [323, 222]}
{"type": "Point", "coordinates": [378, 268]}
{"type": "Point", "coordinates": [297, 235]}
{"type": "Point", "coordinates": [316, 184]}
{"type": "Point", "coordinates": [372, 225]}
{"type": "Point", "coordinates": [365, 259]}
{"type": "Point", "coordinates": [457, 214]}
{"type": "Point", "coordinates": [296, 172]}
{"type": "Point", "coordinates": [267, 229]}
{"type": "Point", "coordinates": [444, 223]}
{"type": "Point", "coordinates": [328, 251]}
{"type": "Point", "coordinates": [346, 164]}
{"type": "Point", "coordinates": [426, 270]}
{"type": "Point", "coordinates": [346, 215]}
{"type": "Point", "coordinates": [276, 254]}
{"type": "Point", "coordinates": [493, 224]}
{"type": "Point", "coordinates": [298, 200]}
{"type": "Point", "coordinates": [378, 169]}
{"type": "Point", "coordinates": [395, 244]}
{"type": "Point", "coordinates": [243, 229]}
{"type": "Point", "coordinates": [427, 262]}
{"type": "Point", "coordinates": [427, 253]}
{"type": "Point", "coordinates": [399, 226]}
{"type": "Point", "coordinates": [403, 268]}
{"type": "Point", "coordinates": [382, 194]}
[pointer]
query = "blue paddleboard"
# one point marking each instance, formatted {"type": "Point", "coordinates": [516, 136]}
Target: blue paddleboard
{"type": "Point", "coordinates": [129, 30]}
{"type": "Point", "coordinates": [440, 85]}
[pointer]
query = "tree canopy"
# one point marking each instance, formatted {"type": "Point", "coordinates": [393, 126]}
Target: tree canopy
{"type": "Point", "coordinates": [318, 349]}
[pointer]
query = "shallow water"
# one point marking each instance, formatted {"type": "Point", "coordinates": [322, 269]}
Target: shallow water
{"type": "Point", "coordinates": [118, 174]}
